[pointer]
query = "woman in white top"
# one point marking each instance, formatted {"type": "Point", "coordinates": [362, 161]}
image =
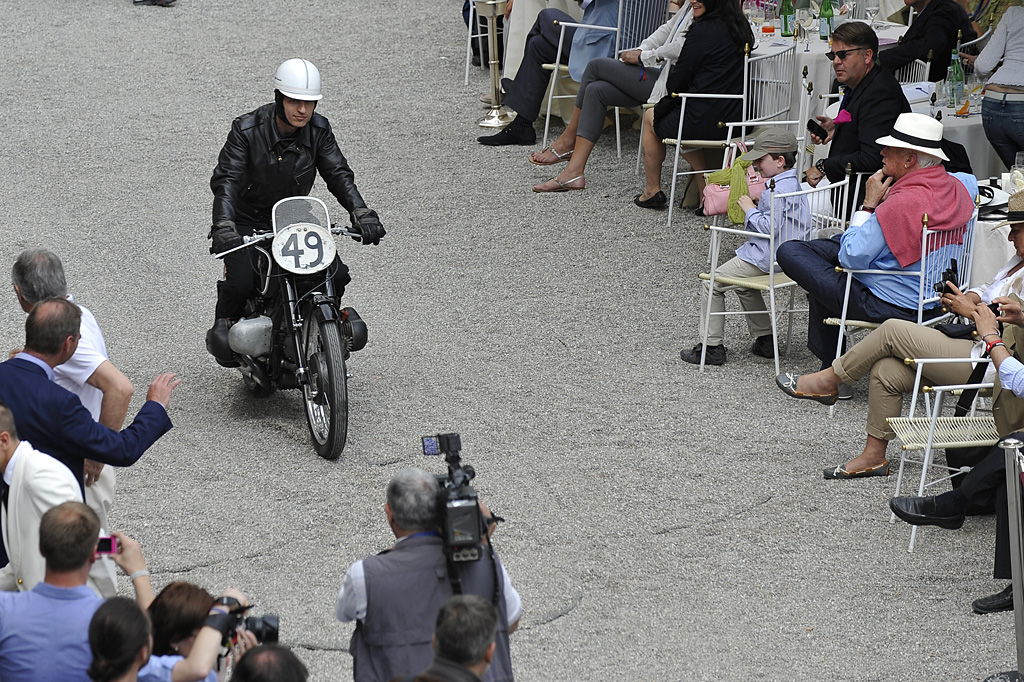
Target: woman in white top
{"type": "Point", "coordinates": [638, 76]}
{"type": "Point", "coordinates": [1002, 62]}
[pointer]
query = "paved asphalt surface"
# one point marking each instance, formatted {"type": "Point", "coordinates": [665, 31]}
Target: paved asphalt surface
{"type": "Point", "coordinates": [663, 524]}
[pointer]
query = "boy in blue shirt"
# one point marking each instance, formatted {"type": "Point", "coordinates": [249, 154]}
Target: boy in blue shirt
{"type": "Point", "coordinates": [774, 154]}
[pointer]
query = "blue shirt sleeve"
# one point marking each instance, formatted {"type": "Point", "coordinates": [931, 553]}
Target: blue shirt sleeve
{"type": "Point", "coordinates": [861, 244]}
{"type": "Point", "coordinates": [1011, 375]}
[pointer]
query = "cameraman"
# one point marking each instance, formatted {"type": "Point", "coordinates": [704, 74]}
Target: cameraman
{"type": "Point", "coordinates": [395, 596]}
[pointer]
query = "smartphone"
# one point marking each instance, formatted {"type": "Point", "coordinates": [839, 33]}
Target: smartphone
{"type": "Point", "coordinates": [107, 545]}
{"type": "Point", "coordinates": [815, 127]}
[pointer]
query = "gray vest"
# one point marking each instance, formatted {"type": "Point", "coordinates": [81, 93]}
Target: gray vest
{"type": "Point", "coordinates": [405, 588]}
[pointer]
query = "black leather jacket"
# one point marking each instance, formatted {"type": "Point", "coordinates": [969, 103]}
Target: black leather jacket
{"type": "Point", "coordinates": [257, 167]}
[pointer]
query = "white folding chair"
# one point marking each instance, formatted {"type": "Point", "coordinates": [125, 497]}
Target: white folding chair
{"type": "Point", "coordinates": [978, 44]}
{"type": "Point", "coordinates": [926, 434]}
{"type": "Point", "coordinates": [764, 71]}
{"type": "Point", "coordinates": [914, 72]}
{"type": "Point", "coordinates": [938, 250]}
{"type": "Point", "coordinates": [816, 212]}
{"type": "Point", "coordinates": [637, 20]}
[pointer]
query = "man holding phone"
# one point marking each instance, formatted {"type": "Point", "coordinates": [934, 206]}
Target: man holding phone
{"type": "Point", "coordinates": [871, 102]}
{"type": "Point", "coordinates": [44, 632]}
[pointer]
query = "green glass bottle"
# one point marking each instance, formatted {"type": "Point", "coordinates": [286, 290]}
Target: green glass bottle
{"type": "Point", "coordinates": [826, 20]}
{"type": "Point", "coordinates": [787, 13]}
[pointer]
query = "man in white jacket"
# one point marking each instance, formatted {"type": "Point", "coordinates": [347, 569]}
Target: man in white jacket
{"type": "Point", "coordinates": [33, 483]}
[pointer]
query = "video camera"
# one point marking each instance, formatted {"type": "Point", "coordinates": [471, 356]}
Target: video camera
{"type": "Point", "coordinates": [462, 524]}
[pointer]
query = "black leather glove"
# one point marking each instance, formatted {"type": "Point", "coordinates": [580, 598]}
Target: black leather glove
{"type": "Point", "coordinates": [368, 224]}
{"type": "Point", "coordinates": [225, 237]}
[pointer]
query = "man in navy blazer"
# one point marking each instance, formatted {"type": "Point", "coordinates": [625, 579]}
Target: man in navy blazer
{"type": "Point", "coordinates": [53, 418]}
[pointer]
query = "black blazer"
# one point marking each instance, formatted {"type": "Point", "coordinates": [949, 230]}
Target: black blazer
{"type": "Point", "coordinates": [709, 62]}
{"type": "Point", "coordinates": [874, 106]}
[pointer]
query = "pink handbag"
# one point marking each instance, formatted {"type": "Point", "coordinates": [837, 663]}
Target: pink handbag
{"type": "Point", "coordinates": [716, 197]}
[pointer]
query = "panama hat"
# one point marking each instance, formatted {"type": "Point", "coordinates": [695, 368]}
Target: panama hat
{"type": "Point", "coordinates": [1014, 210]}
{"type": "Point", "coordinates": [918, 132]}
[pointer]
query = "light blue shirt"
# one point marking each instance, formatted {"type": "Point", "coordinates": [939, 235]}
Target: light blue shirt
{"type": "Point", "coordinates": [159, 668]}
{"type": "Point", "coordinates": [793, 220]}
{"type": "Point", "coordinates": [36, 361]}
{"type": "Point", "coordinates": [44, 634]}
{"type": "Point", "coordinates": [863, 247]}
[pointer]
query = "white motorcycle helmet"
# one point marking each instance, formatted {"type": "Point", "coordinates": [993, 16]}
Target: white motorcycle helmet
{"type": "Point", "coordinates": [298, 79]}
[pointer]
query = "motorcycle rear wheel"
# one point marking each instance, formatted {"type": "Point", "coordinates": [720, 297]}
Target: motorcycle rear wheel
{"type": "Point", "coordinates": [326, 394]}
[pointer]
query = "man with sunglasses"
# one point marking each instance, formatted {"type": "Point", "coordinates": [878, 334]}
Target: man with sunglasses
{"type": "Point", "coordinates": [872, 101]}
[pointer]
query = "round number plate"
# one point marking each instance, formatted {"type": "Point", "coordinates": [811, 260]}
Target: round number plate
{"type": "Point", "coordinates": [304, 248]}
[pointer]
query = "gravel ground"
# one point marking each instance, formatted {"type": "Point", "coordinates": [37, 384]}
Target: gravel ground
{"type": "Point", "coordinates": [663, 523]}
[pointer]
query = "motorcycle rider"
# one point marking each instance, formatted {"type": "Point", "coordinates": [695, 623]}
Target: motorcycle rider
{"type": "Point", "coordinates": [272, 153]}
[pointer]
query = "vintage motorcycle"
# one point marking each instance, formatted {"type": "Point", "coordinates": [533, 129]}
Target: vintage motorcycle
{"type": "Point", "coordinates": [294, 333]}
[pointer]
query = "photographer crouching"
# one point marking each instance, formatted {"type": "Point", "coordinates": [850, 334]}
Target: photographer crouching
{"type": "Point", "coordinates": [395, 596]}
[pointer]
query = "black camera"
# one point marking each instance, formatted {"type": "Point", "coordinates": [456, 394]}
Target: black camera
{"type": "Point", "coordinates": [951, 274]}
{"type": "Point", "coordinates": [266, 628]}
{"type": "Point", "coordinates": [462, 524]}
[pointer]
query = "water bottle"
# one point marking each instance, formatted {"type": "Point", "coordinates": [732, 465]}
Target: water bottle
{"type": "Point", "coordinates": [826, 20]}
{"type": "Point", "coordinates": [955, 81]}
{"type": "Point", "coordinates": [787, 12]}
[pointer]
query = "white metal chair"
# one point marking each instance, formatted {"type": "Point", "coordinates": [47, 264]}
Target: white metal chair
{"type": "Point", "coordinates": [926, 434]}
{"type": "Point", "coordinates": [938, 249]}
{"type": "Point", "coordinates": [914, 72]}
{"type": "Point", "coordinates": [480, 35]}
{"type": "Point", "coordinates": [978, 44]}
{"type": "Point", "coordinates": [815, 209]}
{"type": "Point", "coordinates": [763, 92]}
{"type": "Point", "coordinates": [637, 20]}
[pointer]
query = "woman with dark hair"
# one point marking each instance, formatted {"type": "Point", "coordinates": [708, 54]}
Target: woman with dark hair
{"type": "Point", "coordinates": [188, 628]}
{"type": "Point", "coordinates": [120, 640]}
{"type": "Point", "coordinates": [711, 61]}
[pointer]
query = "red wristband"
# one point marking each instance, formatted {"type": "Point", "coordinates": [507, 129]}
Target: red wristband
{"type": "Point", "coordinates": [990, 346]}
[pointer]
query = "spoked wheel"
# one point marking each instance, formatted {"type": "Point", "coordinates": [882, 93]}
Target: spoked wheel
{"type": "Point", "coordinates": [326, 395]}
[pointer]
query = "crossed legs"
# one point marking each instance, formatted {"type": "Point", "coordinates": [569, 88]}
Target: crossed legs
{"type": "Point", "coordinates": [881, 355]}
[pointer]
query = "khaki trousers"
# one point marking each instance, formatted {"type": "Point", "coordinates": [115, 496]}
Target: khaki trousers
{"type": "Point", "coordinates": [882, 354]}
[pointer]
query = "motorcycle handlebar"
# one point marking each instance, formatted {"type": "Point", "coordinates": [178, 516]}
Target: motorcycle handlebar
{"type": "Point", "coordinates": [249, 240]}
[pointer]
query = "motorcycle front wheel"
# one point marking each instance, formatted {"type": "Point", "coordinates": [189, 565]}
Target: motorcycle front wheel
{"type": "Point", "coordinates": [326, 394]}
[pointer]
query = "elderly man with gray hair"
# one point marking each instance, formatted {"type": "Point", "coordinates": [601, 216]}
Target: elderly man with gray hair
{"type": "Point", "coordinates": [395, 596]}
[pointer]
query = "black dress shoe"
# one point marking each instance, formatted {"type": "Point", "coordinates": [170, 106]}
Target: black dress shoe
{"type": "Point", "coordinates": [516, 132]}
{"type": "Point", "coordinates": [764, 346]}
{"type": "Point", "coordinates": [920, 511]}
{"type": "Point", "coordinates": [715, 355]}
{"type": "Point", "coordinates": [994, 603]}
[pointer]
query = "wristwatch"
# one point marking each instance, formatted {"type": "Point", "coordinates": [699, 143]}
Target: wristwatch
{"type": "Point", "coordinates": [821, 166]}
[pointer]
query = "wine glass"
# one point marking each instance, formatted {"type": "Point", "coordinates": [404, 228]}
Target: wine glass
{"type": "Point", "coordinates": [805, 19]}
{"type": "Point", "coordinates": [749, 9]}
{"type": "Point", "coordinates": [871, 8]}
